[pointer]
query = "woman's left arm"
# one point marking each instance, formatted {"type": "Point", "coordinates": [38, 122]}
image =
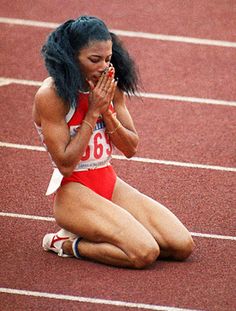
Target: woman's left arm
{"type": "Point", "coordinates": [120, 126]}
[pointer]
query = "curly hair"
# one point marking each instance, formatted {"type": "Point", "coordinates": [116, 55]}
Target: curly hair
{"type": "Point", "coordinates": [65, 42]}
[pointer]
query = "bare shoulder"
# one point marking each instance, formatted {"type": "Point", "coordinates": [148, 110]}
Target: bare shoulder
{"type": "Point", "coordinates": [47, 103]}
{"type": "Point", "coordinates": [46, 94]}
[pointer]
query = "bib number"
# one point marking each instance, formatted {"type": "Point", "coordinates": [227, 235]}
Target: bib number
{"type": "Point", "coordinates": [101, 144]}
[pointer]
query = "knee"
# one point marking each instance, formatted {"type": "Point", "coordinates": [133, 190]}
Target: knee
{"type": "Point", "coordinates": [184, 249]}
{"type": "Point", "coordinates": [60, 221]}
{"type": "Point", "coordinates": [145, 256]}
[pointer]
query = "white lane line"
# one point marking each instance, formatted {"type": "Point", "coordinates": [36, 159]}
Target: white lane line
{"type": "Point", "coordinates": [4, 81]}
{"type": "Point", "coordinates": [135, 159]}
{"type": "Point", "coordinates": [175, 163]}
{"type": "Point", "coordinates": [19, 81]}
{"type": "Point", "coordinates": [29, 217]}
{"type": "Point", "coordinates": [19, 146]}
{"type": "Point", "coordinates": [27, 22]}
{"type": "Point", "coordinates": [196, 100]}
{"type": "Point", "coordinates": [117, 303]}
{"type": "Point", "coordinates": [189, 99]}
{"type": "Point", "coordinates": [181, 39]}
{"type": "Point", "coordinates": [51, 219]}
{"type": "Point", "coordinates": [126, 33]}
{"type": "Point", "coordinates": [213, 236]}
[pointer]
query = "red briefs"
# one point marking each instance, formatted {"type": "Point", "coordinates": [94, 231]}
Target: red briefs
{"type": "Point", "coordinates": [100, 180]}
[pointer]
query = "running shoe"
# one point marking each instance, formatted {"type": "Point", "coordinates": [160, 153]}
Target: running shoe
{"type": "Point", "coordinates": [53, 241]}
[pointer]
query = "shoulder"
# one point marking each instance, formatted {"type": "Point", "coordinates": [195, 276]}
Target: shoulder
{"type": "Point", "coordinates": [47, 91]}
{"type": "Point", "coordinates": [47, 103]}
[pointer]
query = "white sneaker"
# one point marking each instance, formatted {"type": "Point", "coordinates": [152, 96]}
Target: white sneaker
{"type": "Point", "coordinates": [53, 241]}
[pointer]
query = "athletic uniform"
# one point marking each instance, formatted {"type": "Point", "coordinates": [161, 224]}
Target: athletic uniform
{"type": "Point", "coordinates": [94, 169]}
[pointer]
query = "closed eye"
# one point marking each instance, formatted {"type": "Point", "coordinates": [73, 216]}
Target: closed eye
{"type": "Point", "coordinates": [94, 60]}
{"type": "Point", "coordinates": [97, 59]}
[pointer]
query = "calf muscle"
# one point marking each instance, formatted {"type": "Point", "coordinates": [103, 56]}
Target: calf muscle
{"type": "Point", "coordinates": [110, 233]}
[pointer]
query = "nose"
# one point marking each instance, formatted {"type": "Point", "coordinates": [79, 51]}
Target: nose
{"type": "Point", "coordinates": [104, 67]}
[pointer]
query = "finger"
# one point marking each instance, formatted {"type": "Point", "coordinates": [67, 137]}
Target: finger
{"type": "Point", "coordinates": [91, 85]}
{"type": "Point", "coordinates": [111, 72]}
{"type": "Point", "coordinates": [100, 80]}
{"type": "Point", "coordinates": [107, 80]}
{"type": "Point", "coordinates": [105, 83]}
{"type": "Point", "coordinates": [111, 91]}
{"type": "Point", "coordinates": [103, 76]}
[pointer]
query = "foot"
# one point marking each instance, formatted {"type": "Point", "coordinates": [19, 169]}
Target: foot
{"type": "Point", "coordinates": [54, 242]}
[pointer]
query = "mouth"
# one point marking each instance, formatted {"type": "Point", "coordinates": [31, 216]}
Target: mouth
{"type": "Point", "coordinates": [95, 78]}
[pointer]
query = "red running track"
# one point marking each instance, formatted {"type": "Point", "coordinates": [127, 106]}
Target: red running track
{"type": "Point", "coordinates": [200, 198]}
{"type": "Point", "coordinates": [201, 19]}
{"type": "Point", "coordinates": [169, 131]}
{"type": "Point", "coordinates": [165, 282]}
{"type": "Point", "coordinates": [204, 199]}
{"type": "Point", "coordinates": [165, 67]}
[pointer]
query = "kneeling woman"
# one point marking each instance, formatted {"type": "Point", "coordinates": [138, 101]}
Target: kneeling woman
{"type": "Point", "coordinates": [80, 114]}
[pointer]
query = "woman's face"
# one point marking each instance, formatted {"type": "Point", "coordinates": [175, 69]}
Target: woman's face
{"type": "Point", "coordinates": [94, 59]}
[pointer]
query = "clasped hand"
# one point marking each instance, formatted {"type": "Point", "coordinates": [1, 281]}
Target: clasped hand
{"type": "Point", "coordinates": [102, 94]}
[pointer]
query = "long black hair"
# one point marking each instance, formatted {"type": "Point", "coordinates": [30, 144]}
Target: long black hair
{"type": "Point", "coordinates": [64, 43]}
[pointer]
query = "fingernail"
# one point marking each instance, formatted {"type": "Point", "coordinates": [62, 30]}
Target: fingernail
{"type": "Point", "coordinates": [105, 70]}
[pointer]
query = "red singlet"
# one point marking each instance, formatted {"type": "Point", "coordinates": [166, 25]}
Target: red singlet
{"type": "Point", "coordinates": [94, 170]}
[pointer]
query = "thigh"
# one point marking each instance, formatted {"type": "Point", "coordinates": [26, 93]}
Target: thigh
{"type": "Point", "coordinates": [164, 226]}
{"type": "Point", "coordinates": [83, 212]}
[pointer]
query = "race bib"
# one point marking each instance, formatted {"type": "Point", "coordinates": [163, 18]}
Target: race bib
{"type": "Point", "coordinates": [99, 149]}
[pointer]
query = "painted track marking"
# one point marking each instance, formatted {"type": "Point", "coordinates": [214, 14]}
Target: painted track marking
{"type": "Point", "coordinates": [135, 159]}
{"type": "Point", "coordinates": [51, 219]}
{"type": "Point", "coordinates": [170, 38]}
{"type": "Point", "coordinates": [126, 33]}
{"type": "Point", "coordinates": [195, 100]}
{"type": "Point", "coordinates": [91, 300]}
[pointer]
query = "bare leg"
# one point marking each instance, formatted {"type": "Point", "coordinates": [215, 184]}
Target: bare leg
{"type": "Point", "coordinates": [104, 253]}
{"type": "Point", "coordinates": [111, 234]}
{"type": "Point", "coordinates": [172, 237]}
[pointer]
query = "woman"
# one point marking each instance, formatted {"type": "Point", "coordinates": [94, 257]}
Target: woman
{"type": "Point", "coordinates": [80, 114]}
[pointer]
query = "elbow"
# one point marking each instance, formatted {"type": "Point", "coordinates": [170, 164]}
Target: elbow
{"type": "Point", "coordinates": [66, 166]}
{"type": "Point", "coordinates": [132, 150]}
{"type": "Point", "coordinates": [130, 153]}
{"type": "Point", "coordinates": [65, 170]}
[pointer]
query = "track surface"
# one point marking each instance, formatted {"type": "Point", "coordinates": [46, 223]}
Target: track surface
{"type": "Point", "coordinates": [196, 143]}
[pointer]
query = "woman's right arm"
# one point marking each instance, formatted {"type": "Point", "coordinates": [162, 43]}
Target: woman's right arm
{"type": "Point", "coordinates": [65, 151]}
